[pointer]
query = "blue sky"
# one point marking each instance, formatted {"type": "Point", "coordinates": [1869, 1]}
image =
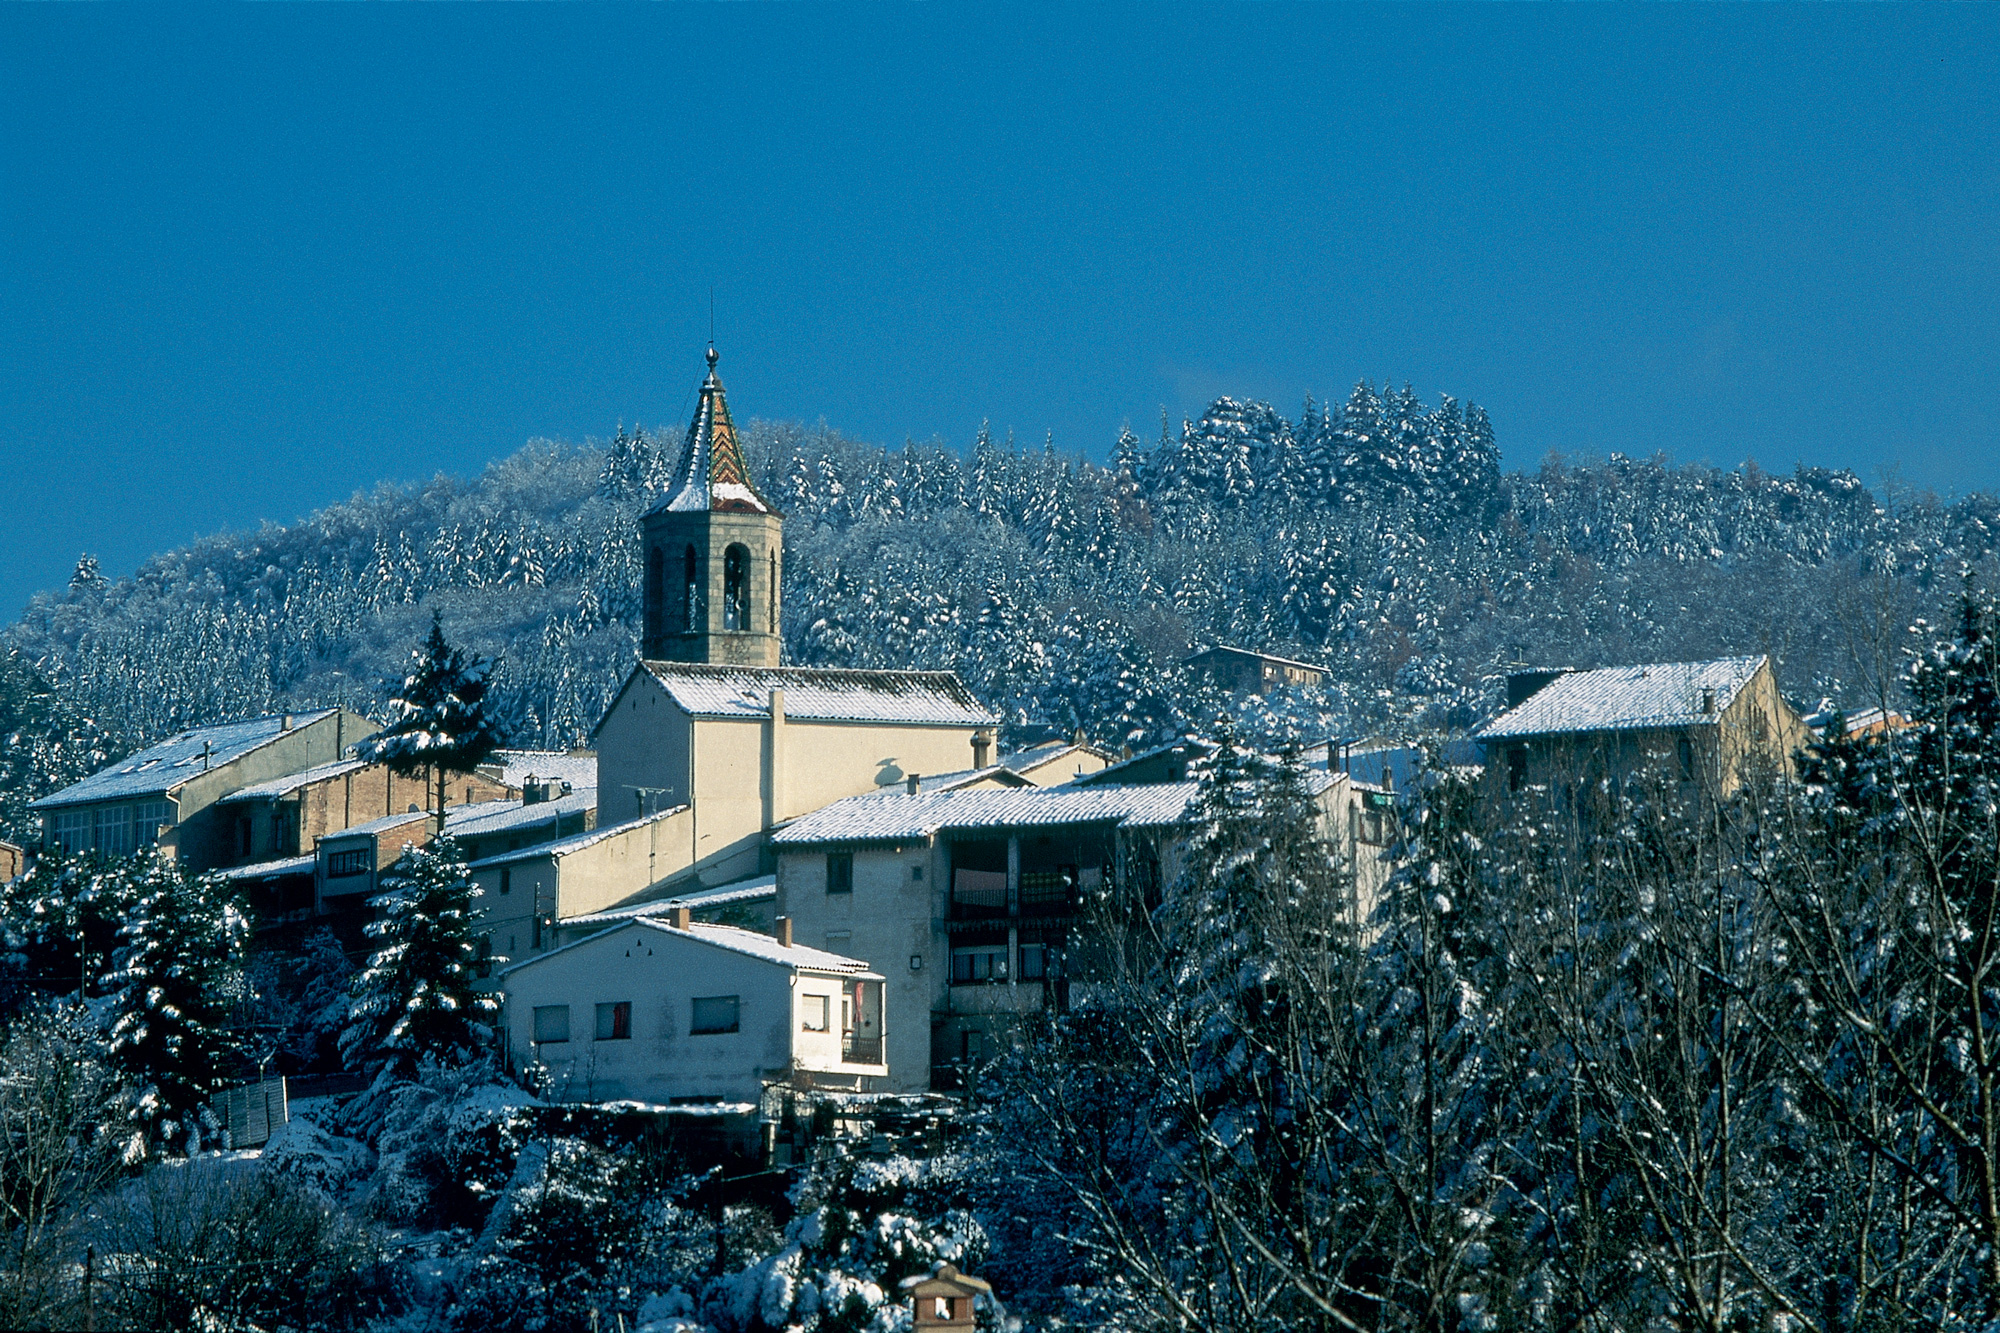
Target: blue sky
{"type": "Point", "coordinates": [254, 259]}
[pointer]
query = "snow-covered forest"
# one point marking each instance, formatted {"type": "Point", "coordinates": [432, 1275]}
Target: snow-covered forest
{"type": "Point", "coordinates": [1377, 535]}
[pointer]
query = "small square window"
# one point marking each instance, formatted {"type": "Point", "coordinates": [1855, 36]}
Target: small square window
{"type": "Point", "coordinates": [551, 1022]}
{"type": "Point", "coordinates": [840, 872]}
{"type": "Point", "coordinates": [813, 1011]}
{"type": "Point", "coordinates": [614, 1021]}
{"type": "Point", "coordinates": [713, 1014]}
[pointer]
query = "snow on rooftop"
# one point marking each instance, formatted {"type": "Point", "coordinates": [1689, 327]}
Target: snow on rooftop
{"type": "Point", "coordinates": [575, 842]}
{"type": "Point", "coordinates": [899, 817]}
{"type": "Point", "coordinates": [290, 865]}
{"type": "Point", "coordinates": [378, 826]}
{"type": "Point", "coordinates": [1628, 698]}
{"type": "Point", "coordinates": [733, 938]}
{"type": "Point", "coordinates": [822, 694]}
{"type": "Point", "coordinates": [484, 818]}
{"type": "Point", "coordinates": [759, 888]}
{"type": "Point", "coordinates": [515, 767]}
{"type": "Point", "coordinates": [292, 782]}
{"type": "Point", "coordinates": [163, 767]}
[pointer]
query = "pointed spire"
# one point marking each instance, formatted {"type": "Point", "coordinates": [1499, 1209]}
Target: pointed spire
{"type": "Point", "coordinates": [712, 474]}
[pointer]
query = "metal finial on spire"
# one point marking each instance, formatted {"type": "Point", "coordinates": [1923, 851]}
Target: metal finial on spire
{"type": "Point", "coordinates": [712, 357]}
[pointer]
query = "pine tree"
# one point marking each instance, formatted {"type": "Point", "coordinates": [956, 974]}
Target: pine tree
{"type": "Point", "coordinates": [416, 1001]}
{"type": "Point", "coordinates": [181, 976]}
{"type": "Point", "coordinates": [440, 724]}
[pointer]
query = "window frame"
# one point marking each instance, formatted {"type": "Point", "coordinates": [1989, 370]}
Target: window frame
{"type": "Point", "coordinates": [715, 1026]}
{"type": "Point", "coordinates": [538, 1026]}
{"type": "Point", "coordinates": [840, 872]}
{"type": "Point", "coordinates": [806, 1012]}
{"type": "Point", "coordinates": [614, 1021]}
{"type": "Point", "coordinates": [356, 857]}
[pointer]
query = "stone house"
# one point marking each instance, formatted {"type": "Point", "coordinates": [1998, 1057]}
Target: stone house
{"type": "Point", "coordinates": [1243, 671]}
{"type": "Point", "coordinates": [13, 860]}
{"type": "Point", "coordinates": [1702, 727]}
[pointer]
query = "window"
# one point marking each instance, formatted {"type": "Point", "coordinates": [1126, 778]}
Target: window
{"type": "Point", "coordinates": [114, 830]}
{"type": "Point", "coordinates": [736, 587]}
{"type": "Point", "coordinates": [1047, 888]}
{"type": "Point", "coordinates": [243, 836]}
{"type": "Point", "coordinates": [840, 872]}
{"type": "Point", "coordinates": [1034, 962]}
{"type": "Point", "coordinates": [972, 1045]}
{"type": "Point", "coordinates": [813, 1011]}
{"type": "Point", "coordinates": [551, 1022]}
{"type": "Point", "coordinates": [147, 817]}
{"type": "Point", "coordinates": [614, 1021]}
{"type": "Point", "coordinates": [916, 874]}
{"type": "Point", "coordinates": [342, 864]}
{"type": "Point", "coordinates": [1517, 767]}
{"type": "Point", "coordinates": [656, 592]}
{"type": "Point", "coordinates": [713, 1014]}
{"type": "Point", "coordinates": [691, 592]}
{"type": "Point", "coordinates": [73, 830]}
{"type": "Point", "coordinates": [941, 1309]}
{"type": "Point", "coordinates": [506, 879]}
{"type": "Point", "coordinates": [483, 962]}
{"type": "Point", "coordinates": [1686, 749]}
{"type": "Point", "coordinates": [980, 962]}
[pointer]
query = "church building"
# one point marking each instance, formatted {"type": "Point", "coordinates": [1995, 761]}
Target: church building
{"type": "Point", "coordinates": [711, 742]}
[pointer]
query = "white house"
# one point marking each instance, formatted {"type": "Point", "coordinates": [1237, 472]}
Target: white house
{"type": "Point", "coordinates": [679, 1011]}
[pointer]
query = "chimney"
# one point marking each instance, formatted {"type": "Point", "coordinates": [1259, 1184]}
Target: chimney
{"type": "Point", "coordinates": [785, 931]}
{"type": "Point", "coordinates": [204, 756]}
{"type": "Point", "coordinates": [680, 918]}
{"type": "Point", "coordinates": [285, 722]}
{"type": "Point", "coordinates": [1708, 701]}
{"type": "Point", "coordinates": [982, 746]}
{"type": "Point", "coordinates": [910, 784]}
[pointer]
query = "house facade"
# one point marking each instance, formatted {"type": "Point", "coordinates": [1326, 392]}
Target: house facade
{"type": "Point", "coordinates": [1702, 727]}
{"type": "Point", "coordinates": [679, 1011]}
{"type": "Point", "coordinates": [168, 795]}
{"type": "Point", "coordinates": [970, 903]}
{"type": "Point", "coordinates": [1242, 671]}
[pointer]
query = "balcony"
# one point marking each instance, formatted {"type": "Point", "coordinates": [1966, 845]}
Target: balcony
{"type": "Point", "coordinates": [855, 1050]}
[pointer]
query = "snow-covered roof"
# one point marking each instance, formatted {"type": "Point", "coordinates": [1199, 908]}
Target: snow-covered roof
{"type": "Point", "coordinates": [290, 865]}
{"type": "Point", "coordinates": [161, 768]}
{"type": "Point", "coordinates": [574, 843]}
{"type": "Point", "coordinates": [483, 819]}
{"type": "Point", "coordinates": [1023, 761]}
{"type": "Point", "coordinates": [1225, 650]}
{"type": "Point", "coordinates": [292, 782]}
{"type": "Point", "coordinates": [900, 817]}
{"type": "Point", "coordinates": [1118, 773]}
{"type": "Point", "coordinates": [515, 767]}
{"type": "Point", "coordinates": [377, 826]}
{"type": "Point", "coordinates": [815, 694]}
{"type": "Point", "coordinates": [712, 474]}
{"type": "Point", "coordinates": [750, 943]}
{"type": "Point", "coordinates": [760, 888]}
{"type": "Point", "coordinates": [1628, 698]}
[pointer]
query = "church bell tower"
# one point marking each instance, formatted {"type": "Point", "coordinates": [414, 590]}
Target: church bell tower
{"type": "Point", "coordinates": [714, 547]}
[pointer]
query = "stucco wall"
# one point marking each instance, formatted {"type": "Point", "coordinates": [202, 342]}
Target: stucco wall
{"type": "Point", "coordinates": [660, 974]}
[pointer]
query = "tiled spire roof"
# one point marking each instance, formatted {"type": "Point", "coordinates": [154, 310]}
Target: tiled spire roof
{"type": "Point", "coordinates": [712, 475]}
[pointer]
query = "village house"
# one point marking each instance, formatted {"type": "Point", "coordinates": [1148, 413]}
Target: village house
{"type": "Point", "coordinates": [1703, 727]}
{"type": "Point", "coordinates": [13, 860]}
{"type": "Point", "coordinates": [168, 795]}
{"type": "Point", "coordinates": [675, 1011]}
{"type": "Point", "coordinates": [1242, 671]}
{"type": "Point", "coordinates": [970, 903]}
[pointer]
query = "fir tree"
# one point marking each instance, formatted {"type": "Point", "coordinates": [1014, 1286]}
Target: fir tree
{"type": "Point", "coordinates": [416, 1001]}
{"type": "Point", "coordinates": [181, 974]}
{"type": "Point", "coordinates": [440, 724]}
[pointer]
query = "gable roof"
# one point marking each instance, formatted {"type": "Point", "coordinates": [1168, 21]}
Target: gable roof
{"type": "Point", "coordinates": [376, 826]}
{"type": "Point", "coordinates": [485, 818]}
{"type": "Point", "coordinates": [292, 782]}
{"type": "Point", "coordinates": [756, 889]}
{"type": "Point", "coordinates": [735, 939]}
{"type": "Point", "coordinates": [515, 767]}
{"type": "Point", "coordinates": [899, 817]}
{"type": "Point", "coordinates": [576, 842]}
{"type": "Point", "coordinates": [1628, 698]}
{"type": "Point", "coordinates": [1224, 650]}
{"type": "Point", "coordinates": [819, 694]}
{"type": "Point", "coordinates": [712, 475]}
{"type": "Point", "coordinates": [163, 768]}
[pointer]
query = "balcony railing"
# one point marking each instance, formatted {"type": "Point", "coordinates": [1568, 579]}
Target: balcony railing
{"type": "Point", "coordinates": [860, 1050]}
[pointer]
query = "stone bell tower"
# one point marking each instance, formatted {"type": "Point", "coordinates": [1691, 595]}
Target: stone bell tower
{"type": "Point", "coordinates": [713, 550]}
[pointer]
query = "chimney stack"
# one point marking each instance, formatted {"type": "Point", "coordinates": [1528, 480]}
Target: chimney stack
{"type": "Point", "coordinates": [285, 723]}
{"type": "Point", "coordinates": [681, 918]}
{"type": "Point", "coordinates": [910, 784]}
{"type": "Point", "coordinates": [785, 931]}
{"type": "Point", "coordinates": [982, 747]}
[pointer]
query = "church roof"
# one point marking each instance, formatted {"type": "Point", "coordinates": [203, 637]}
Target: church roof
{"type": "Point", "coordinates": [712, 476]}
{"type": "Point", "coordinates": [820, 694]}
